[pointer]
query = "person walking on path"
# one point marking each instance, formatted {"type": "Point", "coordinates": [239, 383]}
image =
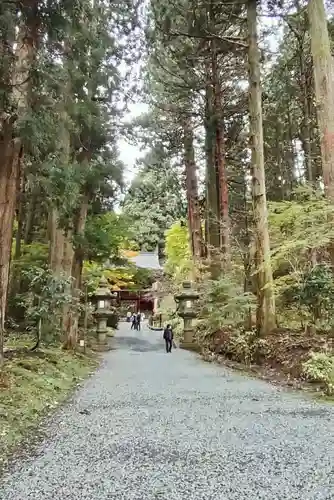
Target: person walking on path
{"type": "Point", "coordinates": [168, 338]}
{"type": "Point", "coordinates": [134, 322]}
{"type": "Point", "coordinates": [138, 320]}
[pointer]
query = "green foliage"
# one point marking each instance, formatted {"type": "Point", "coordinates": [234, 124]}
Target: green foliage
{"type": "Point", "coordinates": [32, 385]}
{"type": "Point", "coordinates": [44, 301]}
{"type": "Point", "coordinates": [105, 235]}
{"type": "Point", "coordinates": [223, 303]}
{"type": "Point", "coordinates": [313, 291]}
{"type": "Point", "coordinates": [301, 231]}
{"type": "Point", "coordinates": [240, 346]}
{"type": "Point", "coordinates": [320, 368]}
{"type": "Point", "coordinates": [32, 256]}
{"type": "Point", "coordinates": [298, 227]}
{"type": "Point", "coordinates": [154, 201]}
{"type": "Point", "coordinates": [32, 261]}
{"type": "Point", "coordinates": [127, 277]}
{"type": "Point", "coordinates": [179, 261]}
{"type": "Point", "coordinates": [41, 296]}
{"type": "Point", "coordinates": [143, 278]}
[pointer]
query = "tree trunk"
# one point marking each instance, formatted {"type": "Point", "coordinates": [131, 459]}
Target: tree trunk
{"type": "Point", "coordinates": [9, 174]}
{"type": "Point", "coordinates": [194, 219]}
{"type": "Point", "coordinates": [219, 156]}
{"type": "Point", "coordinates": [72, 326]}
{"type": "Point", "coordinates": [69, 317]}
{"type": "Point", "coordinates": [306, 129]}
{"type": "Point", "coordinates": [324, 89]}
{"type": "Point", "coordinates": [31, 206]}
{"type": "Point", "coordinates": [11, 146]}
{"type": "Point", "coordinates": [290, 157]}
{"type": "Point", "coordinates": [20, 215]}
{"type": "Point", "coordinates": [265, 317]}
{"type": "Point", "coordinates": [56, 243]}
{"type": "Point", "coordinates": [212, 210]}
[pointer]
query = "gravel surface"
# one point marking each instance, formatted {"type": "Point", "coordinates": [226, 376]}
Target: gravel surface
{"type": "Point", "coordinates": [151, 425]}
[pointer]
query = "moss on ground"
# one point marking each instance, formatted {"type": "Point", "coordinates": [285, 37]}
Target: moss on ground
{"type": "Point", "coordinates": [33, 384]}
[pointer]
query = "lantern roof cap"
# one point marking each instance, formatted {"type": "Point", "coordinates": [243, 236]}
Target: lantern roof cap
{"type": "Point", "coordinates": [187, 292]}
{"type": "Point", "coordinates": [103, 288]}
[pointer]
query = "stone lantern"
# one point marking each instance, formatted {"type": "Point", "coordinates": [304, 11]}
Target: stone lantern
{"type": "Point", "coordinates": [102, 299]}
{"type": "Point", "coordinates": [185, 309]}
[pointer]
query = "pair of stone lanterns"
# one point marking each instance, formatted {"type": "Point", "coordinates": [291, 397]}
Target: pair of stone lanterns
{"type": "Point", "coordinates": [185, 309]}
{"type": "Point", "coordinates": [104, 299]}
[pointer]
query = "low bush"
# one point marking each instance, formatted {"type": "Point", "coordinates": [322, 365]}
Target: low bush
{"type": "Point", "coordinates": [223, 304]}
{"type": "Point", "coordinates": [320, 368]}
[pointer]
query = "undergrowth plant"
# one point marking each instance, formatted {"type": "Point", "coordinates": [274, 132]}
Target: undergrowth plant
{"type": "Point", "coordinates": [223, 304]}
{"type": "Point", "coordinates": [320, 368]}
{"type": "Point", "coordinates": [313, 292]}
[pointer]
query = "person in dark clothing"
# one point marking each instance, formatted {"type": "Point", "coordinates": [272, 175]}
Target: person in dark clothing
{"type": "Point", "coordinates": [134, 322]}
{"type": "Point", "coordinates": [138, 320]}
{"type": "Point", "coordinates": [168, 338]}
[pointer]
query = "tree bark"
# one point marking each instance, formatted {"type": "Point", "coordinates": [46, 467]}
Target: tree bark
{"type": "Point", "coordinates": [212, 210]}
{"type": "Point", "coordinates": [56, 243]}
{"type": "Point", "coordinates": [265, 317]}
{"type": "Point", "coordinates": [194, 219]}
{"type": "Point", "coordinates": [306, 128]}
{"type": "Point", "coordinates": [19, 215]}
{"type": "Point", "coordinates": [219, 156]}
{"type": "Point", "coordinates": [31, 206]}
{"type": "Point", "coordinates": [11, 146]}
{"type": "Point", "coordinates": [324, 89]}
{"type": "Point", "coordinates": [70, 328]}
{"type": "Point", "coordinates": [72, 316]}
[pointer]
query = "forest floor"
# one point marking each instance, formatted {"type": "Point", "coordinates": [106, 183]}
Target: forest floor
{"type": "Point", "coordinates": [150, 425]}
{"type": "Point", "coordinates": [279, 357]}
{"type": "Point", "coordinates": [32, 384]}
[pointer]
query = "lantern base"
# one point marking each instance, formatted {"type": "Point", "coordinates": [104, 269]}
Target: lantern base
{"type": "Point", "coordinates": [188, 335]}
{"type": "Point", "coordinates": [101, 347]}
{"type": "Point", "coordinates": [110, 333]}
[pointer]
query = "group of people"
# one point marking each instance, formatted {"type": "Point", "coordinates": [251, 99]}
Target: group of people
{"type": "Point", "coordinates": [135, 319]}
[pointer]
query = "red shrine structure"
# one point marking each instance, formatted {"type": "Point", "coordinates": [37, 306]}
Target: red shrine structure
{"type": "Point", "coordinates": [142, 300]}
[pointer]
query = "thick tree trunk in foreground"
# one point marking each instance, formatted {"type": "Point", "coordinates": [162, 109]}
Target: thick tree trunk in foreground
{"type": "Point", "coordinates": [9, 174]}
{"type": "Point", "coordinates": [324, 92]}
{"type": "Point", "coordinates": [71, 325]}
{"type": "Point", "coordinates": [11, 146]}
{"type": "Point", "coordinates": [324, 89]}
{"type": "Point", "coordinates": [265, 317]}
{"type": "Point", "coordinates": [194, 219]}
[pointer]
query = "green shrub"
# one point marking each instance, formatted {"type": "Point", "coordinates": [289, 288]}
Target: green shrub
{"type": "Point", "coordinates": [43, 301]}
{"type": "Point", "coordinates": [240, 346]}
{"type": "Point", "coordinates": [313, 291]}
{"type": "Point", "coordinates": [320, 368]}
{"type": "Point", "coordinates": [223, 303]}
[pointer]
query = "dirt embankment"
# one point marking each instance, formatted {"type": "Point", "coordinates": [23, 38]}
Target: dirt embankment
{"type": "Point", "coordinates": [279, 357]}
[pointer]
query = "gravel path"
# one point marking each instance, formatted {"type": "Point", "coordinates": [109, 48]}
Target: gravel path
{"type": "Point", "coordinates": [151, 425]}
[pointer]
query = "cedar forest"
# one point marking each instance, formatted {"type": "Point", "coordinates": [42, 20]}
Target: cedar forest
{"type": "Point", "coordinates": [235, 185]}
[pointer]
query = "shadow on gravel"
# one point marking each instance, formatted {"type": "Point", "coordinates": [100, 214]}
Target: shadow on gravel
{"type": "Point", "coordinates": [137, 344]}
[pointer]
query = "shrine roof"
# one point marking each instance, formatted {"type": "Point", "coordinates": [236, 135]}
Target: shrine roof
{"type": "Point", "coordinates": [146, 260]}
